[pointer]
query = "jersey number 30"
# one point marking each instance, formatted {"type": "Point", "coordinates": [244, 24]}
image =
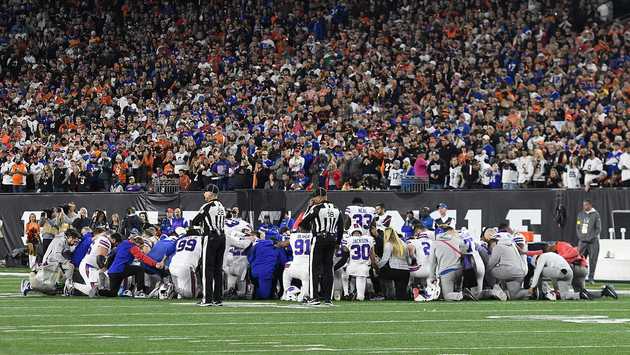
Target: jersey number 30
{"type": "Point", "coordinates": [360, 251]}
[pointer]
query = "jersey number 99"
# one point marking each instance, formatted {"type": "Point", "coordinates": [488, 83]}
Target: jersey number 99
{"type": "Point", "coordinates": [188, 245]}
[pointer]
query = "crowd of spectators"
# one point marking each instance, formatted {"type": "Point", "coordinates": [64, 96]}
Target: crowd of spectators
{"type": "Point", "coordinates": [108, 95]}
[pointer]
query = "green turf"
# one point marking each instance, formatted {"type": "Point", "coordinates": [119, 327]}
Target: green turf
{"type": "Point", "coordinates": [73, 325]}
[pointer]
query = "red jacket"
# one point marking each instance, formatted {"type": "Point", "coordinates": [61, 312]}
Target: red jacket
{"type": "Point", "coordinates": [570, 253]}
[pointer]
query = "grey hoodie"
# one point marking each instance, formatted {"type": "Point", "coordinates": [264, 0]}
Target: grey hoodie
{"type": "Point", "coordinates": [443, 256]}
{"type": "Point", "coordinates": [588, 226]}
{"type": "Point", "coordinates": [505, 255]}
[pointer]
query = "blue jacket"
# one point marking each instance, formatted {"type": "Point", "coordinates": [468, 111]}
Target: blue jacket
{"type": "Point", "coordinates": [166, 246]}
{"type": "Point", "coordinates": [264, 258]}
{"type": "Point", "coordinates": [81, 250]}
{"type": "Point", "coordinates": [126, 252]}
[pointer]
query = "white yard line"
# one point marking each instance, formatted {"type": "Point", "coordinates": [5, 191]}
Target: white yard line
{"type": "Point", "coordinates": [14, 274]}
{"type": "Point", "coordinates": [152, 325]}
{"type": "Point", "coordinates": [312, 312]}
{"type": "Point", "coordinates": [238, 338]}
{"type": "Point", "coordinates": [298, 348]}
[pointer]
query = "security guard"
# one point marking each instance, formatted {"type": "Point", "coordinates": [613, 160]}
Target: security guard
{"type": "Point", "coordinates": [325, 221]}
{"type": "Point", "coordinates": [211, 219]}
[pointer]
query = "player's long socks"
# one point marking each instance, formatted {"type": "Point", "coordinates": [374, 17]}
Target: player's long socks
{"type": "Point", "coordinates": [345, 281]}
{"type": "Point", "coordinates": [360, 282]}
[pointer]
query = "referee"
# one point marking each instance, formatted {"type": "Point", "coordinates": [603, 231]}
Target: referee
{"type": "Point", "coordinates": [211, 219]}
{"type": "Point", "coordinates": [325, 221]}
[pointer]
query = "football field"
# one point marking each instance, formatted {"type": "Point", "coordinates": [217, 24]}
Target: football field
{"type": "Point", "coordinates": [78, 325]}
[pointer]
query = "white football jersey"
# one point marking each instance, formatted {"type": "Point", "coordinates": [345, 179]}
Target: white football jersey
{"type": "Point", "coordinates": [361, 215]}
{"type": "Point", "coordinates": [235, 244]}
{"type": "Point", "coordinates": [301, 249]}
{"type": "Point", "coordinates": [233, 225]}
{"type": "Point", "coordinates": [422, 247]}
{"type": "Point", "coordinates": [360, 248]}
{"type": "Point", "coordinates": [102, 241]}
{"type": "Point", "coordinates": [188, 252]}
{"type": "Point", "coordinates": [469, 240]}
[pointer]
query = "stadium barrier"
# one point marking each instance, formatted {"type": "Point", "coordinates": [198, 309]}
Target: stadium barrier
{"type": "Point", "coordinates": [414, 184]}
{"type": "Point", "coordinates": [164, 185]}
{"type": "Point", "coordinates": [533, 210]}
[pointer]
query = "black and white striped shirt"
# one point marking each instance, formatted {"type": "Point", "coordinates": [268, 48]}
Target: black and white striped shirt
{"type": "Point", "coordinates": [211, 217]}
{"type": "Point", "coordinates": [324, 218]}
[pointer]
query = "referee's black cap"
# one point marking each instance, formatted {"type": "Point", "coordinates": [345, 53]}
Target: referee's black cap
{"type": "Point", "coordinates": [320, 191]}
{"type": "Point", "coordinates": [213, 188]}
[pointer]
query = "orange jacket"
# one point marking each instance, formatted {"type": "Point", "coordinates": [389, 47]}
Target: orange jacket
{"type": "Point", "coordinates": [570, 253]}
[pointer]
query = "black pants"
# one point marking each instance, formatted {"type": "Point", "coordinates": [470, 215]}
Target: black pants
{"type": "Point", "coordinates": [322, 252]}
{"type": "Point", "coordinates": [116, 279]}
{"type": "Point", "coordinates": [212, 267]}
{"type": "Point", "coordinates": [400, 278]}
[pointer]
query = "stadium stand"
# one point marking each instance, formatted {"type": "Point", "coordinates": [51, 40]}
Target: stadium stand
{"type": "Point", "coordinates": [107, 96]}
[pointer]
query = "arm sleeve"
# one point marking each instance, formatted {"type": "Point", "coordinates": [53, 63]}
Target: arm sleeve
{"type": "Point", "coordinates": [308, 217]}
{"type": "Point", "coordinates": [340, 227]}
{"type": "Point", "coordinates": [138, 254]}
{"type": "Point", "coordinates": [387, 253]}
{"type": "Point", "coordinates": [231, 240]}
{"type": "Point", "coordinates": [198, 220]}
{"type": "Point", "coordinates": [539, 268]}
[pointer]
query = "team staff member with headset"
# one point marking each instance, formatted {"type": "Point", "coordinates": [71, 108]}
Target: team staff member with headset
{"type": "Point", "coordinates": [211, 219]}
{"type": "Point", "coordinates": [325, 221]}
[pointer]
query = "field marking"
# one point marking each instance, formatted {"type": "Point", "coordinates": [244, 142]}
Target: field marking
{"type": "Point", "coordinates": [235, 338]}
{"type": "Point", "coordinates": [363, 350]}
{"type": "Point", "coordinates": [14, 274]}
{"type": "Point", "coordinates": [317, 311]}
{"type": "Point", "coordinates": [128, 325]}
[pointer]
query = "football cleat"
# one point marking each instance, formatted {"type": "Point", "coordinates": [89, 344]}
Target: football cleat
{"type": "Point", "coordinates": [156, 291]}
{"type": "Point", "coordinates": [609, 291]}
{"type": "Point", "coordinates": [68, 289]}
{"type": "Point", "coordinates": [585, 295]}
{"type": "Point", "coordinates": [94, 292]}
{"type": "Point", "coordinates": [139, 294]}
{"type": "Point", "coordinates": [205, 304]}
{"type": "Point", "coordinates": [166, 291]}
{"type": "Point", "coordinates": [469, 295]}
{"type": "Point", "coordinates": [126, 293]}
{"type": "Point", "coordinates": [498, 293]}
{"type": "Point", "coordinates": [25, 287]}
{"type": "Point", "coordinates": [313, 302]}
{"type": "Point", "coordinates": [328, 303]}
{"type": "Point", "coordinates": [217, 303]}
{"type": "Point", "coordinates": [547, 292]}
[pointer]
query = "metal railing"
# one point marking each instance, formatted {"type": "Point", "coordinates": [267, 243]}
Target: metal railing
{"type": "Point", "coordinates": [164, 185]}
{"type": "Point", "coordinates": [414, 184]}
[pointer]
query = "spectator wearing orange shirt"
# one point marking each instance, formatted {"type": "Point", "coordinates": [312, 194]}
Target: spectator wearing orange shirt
{"type": "Point", "coordinates": [120, 169]}
{"type": "Point", "coordinates": [18, 172]}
